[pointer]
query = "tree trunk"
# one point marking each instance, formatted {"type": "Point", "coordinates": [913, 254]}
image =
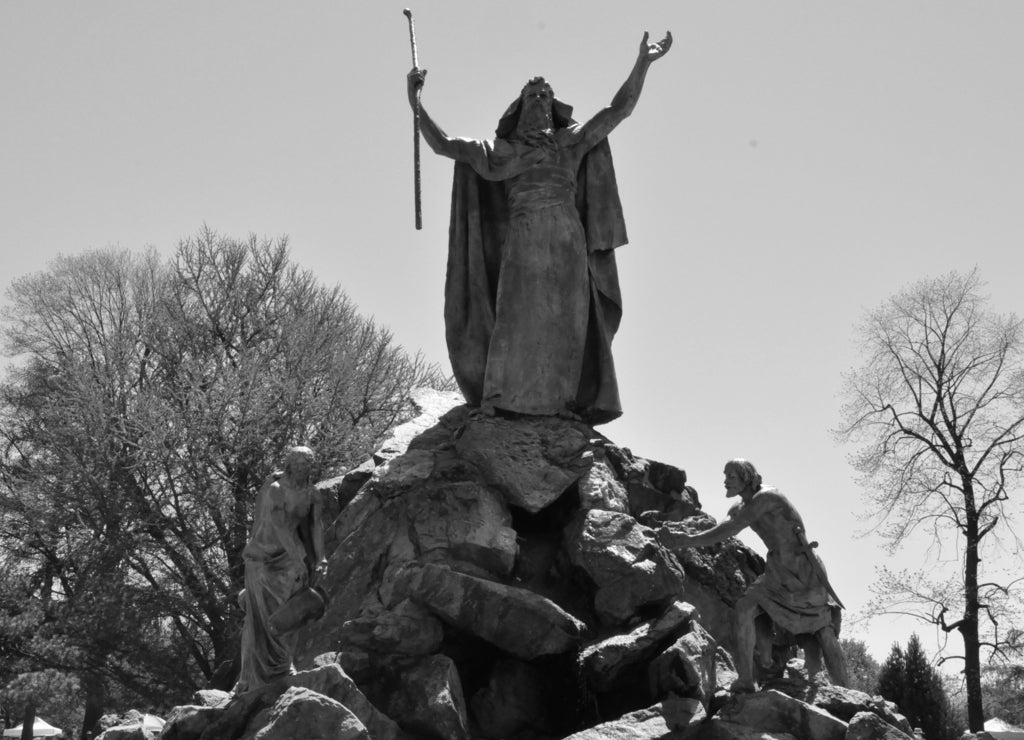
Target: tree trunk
{"type": "Point", "coordinates": [242, 498]}
{"type": "Point", "coordinates": [95, 702]}
{"type": "Point", "coordinates": [969, 624]}
{"type": "Point", "coordinates": [29, 721]}
{"type": "Point", "coordinates": [226, 655]}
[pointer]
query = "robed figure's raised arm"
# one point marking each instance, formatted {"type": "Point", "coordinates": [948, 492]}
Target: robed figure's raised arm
{"type": "Point", "coordinates": [435, 137]}
{"type": "Point", "coordinates": [622, 105]}
{"type": "Point", "coordinates": [478, 154]}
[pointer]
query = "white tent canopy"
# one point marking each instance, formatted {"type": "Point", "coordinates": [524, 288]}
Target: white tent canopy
{"type": "Point", "coordinates": [1002, 730]}
{"type": "Point", "coordinates": [40, 728]}
{"type": "Point", "coordinates": [152, 722]}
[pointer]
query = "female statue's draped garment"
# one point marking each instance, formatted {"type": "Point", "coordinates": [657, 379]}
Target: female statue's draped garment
{"type": "Point", "coordinates": [532, 296]}
{"type": "Point", "coordinates": [277, 565]}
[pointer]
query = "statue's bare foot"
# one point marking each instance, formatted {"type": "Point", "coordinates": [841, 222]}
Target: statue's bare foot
{"type": "Point", "coordinates": [569, 415]}
{"type": "Point", "coordinates": [743, 686]}
{"type": "Point", "coordinates": [482, 412]}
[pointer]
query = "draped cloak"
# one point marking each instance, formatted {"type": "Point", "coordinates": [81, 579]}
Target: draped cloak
{"type": "Point", "coordinates": [793, 595]}
{"type": "Point", "coordinates": [278, 560]}
{"type": "Point", "coordinates": [478, 253]}
{"type": "Point", "coordinates": [792, 590]}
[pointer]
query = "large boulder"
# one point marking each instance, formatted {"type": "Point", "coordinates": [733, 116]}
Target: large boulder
{"type": "Point", "coordinates": [605, 661]}
{"type": "Point", "coordinates": [245, 715]}
{"type": "Point", "coordinates": [658, 722]}
{"type": "Point", "coordinates": [513, 619]}
{"type": "Point", "coordinates": [211, 697]}
{"type": "Point", "coordinates": [404, 629]}
{"type": "Point", "coordinates": [189, 722]}
{"type": "Point", "coordinates": [129, 732]}
{"type": "Point", "coordinates": [425, 697]}
{"type": "Point", "coordinates": [332, 682]}
{"type": "Point", "coordinates": [630, 570]}
{"type": "Point", "coordinates": [306, 714]}
{"type": "Point", "coordinates": [599, 487]}
{"type": "Point", "coordinates": [838, 701]}
{"type": "Point", "coordinates": [132, 725]}
{"type": "Point", "coordinates": [869, 726]}
{"type": "Point", "coordinates": [427, 428]}
{"type": "Point", "coordinates": [775, 712]}
{"type": "Point", "coordinates": [689, 666]}
{"type": "Point", "coordinates": [531, 463]}
{"type": "Point", "coordinates": [513, 701]}
{"type": "Point", "coordinates": [721, 730]}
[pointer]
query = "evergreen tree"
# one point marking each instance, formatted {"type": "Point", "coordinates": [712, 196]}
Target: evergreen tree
{"type": "Point", "coordinates": [862, 668]}
{"type": "Point", "coordinates": [908, 679]}
{"type": "Point", "coordinates": [893, 675]}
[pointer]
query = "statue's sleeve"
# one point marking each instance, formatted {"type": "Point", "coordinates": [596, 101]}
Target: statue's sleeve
{"type": "Point", "coordinates": [489, 160]}
{"type": "Point", "coordinates": [479, 219]}
{"type": "Point", "coordinates": [597, 200]}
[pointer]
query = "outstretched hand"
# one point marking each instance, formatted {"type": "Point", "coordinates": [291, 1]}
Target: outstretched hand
{"type": "Point", "coordinates": [415, 80]}
{"type": "Point", "coordinates": [650, 52]}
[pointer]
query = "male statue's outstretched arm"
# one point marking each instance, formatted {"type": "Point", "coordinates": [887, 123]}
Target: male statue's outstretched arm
{"type": "Point", "coordinates": [436, 138]}
{"type": "Point", "coordinates": [738, 519]}
{"type": "Point", "coordinates": [622, 105]}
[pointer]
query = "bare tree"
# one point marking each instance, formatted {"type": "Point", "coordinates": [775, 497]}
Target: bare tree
{"type": "Point", "coordinates": [937, 408]}
{"type": "Point", "coordinates": [149, 401]}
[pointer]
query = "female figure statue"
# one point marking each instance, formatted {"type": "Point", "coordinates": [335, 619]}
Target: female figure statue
{"type": "Point", "coordinates": [285, 555]}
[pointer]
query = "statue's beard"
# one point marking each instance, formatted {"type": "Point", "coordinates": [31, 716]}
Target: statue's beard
{"type": "Point", "coordinates": [535, 126]}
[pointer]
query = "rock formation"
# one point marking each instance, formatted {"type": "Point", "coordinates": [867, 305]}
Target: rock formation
{"type": "Point", "coordinates": [498, 578]}
{"type": "Point", "coordinates": [132, 725]}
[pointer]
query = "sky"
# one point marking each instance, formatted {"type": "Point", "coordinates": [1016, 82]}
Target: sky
{"type": "Point", "coordinates": [790, 165]}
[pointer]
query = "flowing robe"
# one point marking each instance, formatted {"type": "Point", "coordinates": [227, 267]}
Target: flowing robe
{"type": "Point", "coordinates": [532, 297]}
{"type": "Point", "coordinates": [277, 565]}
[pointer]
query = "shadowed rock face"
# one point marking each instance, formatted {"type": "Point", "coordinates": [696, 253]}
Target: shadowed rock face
{"type": "Point", "coordinates": [632, 574]}
{"type": "Point", "coordinates": [304, 705]}
{"type": "Point", "coordinates": [502, 578]}
{"type": "Point", "coordinates": [514, 542]}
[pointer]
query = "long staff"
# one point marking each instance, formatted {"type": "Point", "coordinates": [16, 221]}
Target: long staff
{"type": "Point", "coordinates": [415, 125]}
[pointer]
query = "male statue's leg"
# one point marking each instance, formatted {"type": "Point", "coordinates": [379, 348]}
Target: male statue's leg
{"type": "Point", "coordinates": [764, 632]}
{"type": "Point", "coordinates": [812, 655]}
{"type": "Point", "coordinates": [835, 660]}
{"type": "Point", "coordinates": [746, 638]}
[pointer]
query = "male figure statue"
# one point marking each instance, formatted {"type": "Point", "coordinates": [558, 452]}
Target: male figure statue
{"type": "Point", "coordinates": [531, 297]}
{"type": "Point", "coordinates": [793, 591]}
